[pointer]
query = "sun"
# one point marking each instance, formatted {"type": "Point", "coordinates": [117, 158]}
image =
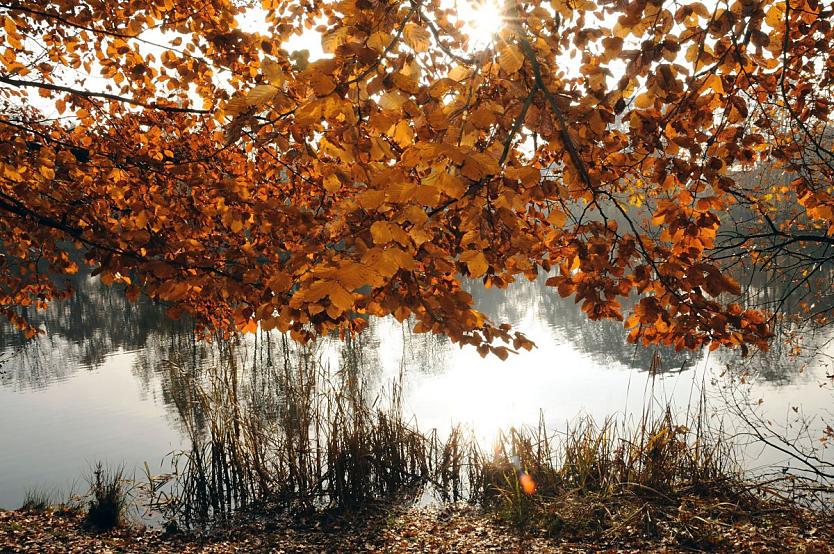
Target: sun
{"type": "Point", "coordinates": [482, 19]}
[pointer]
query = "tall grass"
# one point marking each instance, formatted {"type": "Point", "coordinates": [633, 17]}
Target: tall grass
{"type": "Point", "coordinates": [37, 500]}
{"type": "Point", "coordinates": [40, 500]}
{"type": "Point", "coordinates": [108, 497]}
{"type": "Point", "coordinates": [588, 474]}
{"type": "Point", "coordinates": [295, 435]}
{"type": "Point", "coordinates": [300, 436]}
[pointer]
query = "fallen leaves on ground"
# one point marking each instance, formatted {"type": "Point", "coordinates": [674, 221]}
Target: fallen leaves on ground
{"type": "Point", "coordinates": [455, 529]}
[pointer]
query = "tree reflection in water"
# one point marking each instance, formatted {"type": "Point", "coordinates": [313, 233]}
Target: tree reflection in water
{"type": "Point", "coordinates": [98, 321]}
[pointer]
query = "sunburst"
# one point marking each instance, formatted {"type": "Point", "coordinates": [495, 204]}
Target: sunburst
{"type": "Point", "coordinates": [482, 20]}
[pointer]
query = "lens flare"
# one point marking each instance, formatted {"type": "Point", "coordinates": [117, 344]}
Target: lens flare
{"type": "Point", "coordinates": [482, 19]}
{"type": "Point", "coordinates": [527, 483]}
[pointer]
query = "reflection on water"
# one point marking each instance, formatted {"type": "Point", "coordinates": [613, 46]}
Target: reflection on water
{"type": "Point", "coordinates": [604, 341]}
{"type": "Point", "coordinates": [81, 333]}
{"type": "Point", "coordinates": [116, 381]}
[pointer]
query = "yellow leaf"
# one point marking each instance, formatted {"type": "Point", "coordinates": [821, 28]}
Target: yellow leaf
{"type": "Point", "coordinates": [403, 134]}
{"type": "Point", "coordinates": [370, 199]}
{"type": "Point", "coordinates": [354, 275]}
{"type": "Point", "coordinates": [231, 220]}
{"type": "Point", "coordinates": [595, 121]}
{"type": "Point", "coordinates": [331, 40]}
{"type": "Point", "coordinates": [312, 293]}
{"type": "Point", "coordinates": [557, 217]}
{"type": "Point", "coordinates": [475, 262]}
{"type": "Point", "coordinates": [427, 195]}
{"type": "Point", "coordinates": [400, 192]}
{"type": "Point", "coordinates": [236, 105]}
{"type": "Point", "coordinates": [439, 88]}
{"type": "Point", "coordinates": [141, 219]}
{"type": "Point", "coordinates": [47, 172]}
{"type": "Point", "coordinates": [575, 263]}
{"type": "Point", "coordinates": [273, 72]}
{"type": "Point", "coordinates": [714, 82]}
{"type": "Point", "coordinates": [380, 122]}
{"type": "Point", "coordinates": [393, 100]}
{"type": "Point", "coordinates": [399, 258]}
{"type": "Point", "coordinates": [564, 7]}
{"type": "Point", "coordinates": [473, 168]}
{"type": "Point", "coordinates": [452, 185]}
{"type": "Point", "coordinates": [775, 17]}
{"type": "Point", "coordinates": [482, 118]}
{"type": "Point", "coordinates": [11, 172]}
{"type": "Point", "coordinates": [417, 37]}
{"type": "Point", "coordinates": [332, 183]}
{"type": "Point", "coordinates": [459, 73]}
{"type": "Point", "coordinates": [339, 297]}
{"type": "Point", "coordinates": [406, 83]}
{"type": "Point", "coordinates": [384, 232]}
{"type": "Point", "coordinates": [528, 175]}
{"type": "Point", "coordinates": [376, 259]}
{"type": "Point", "coordinates": [644, 101]}
{"type": "Point", "coordinates": [322, 84]}
{"type": "Point", "coordinates": [692, 53]}
{"type": "Point", "coordinates": [260, 95]}
{"type": "Point", "coordinates": [9, 25]}
{"type": "Point", "coordinates": [419, 236]}
{"type": "Point", "coordinates": [413, 214]}
{"type": "Point", "coordinates": [379, 41]}
{"type": "Point", "coordinates": [620, 30]}
{"type": "Point", "coordinates": [381, 232]}
{"type": "Point", "coordinates": [510, 58]}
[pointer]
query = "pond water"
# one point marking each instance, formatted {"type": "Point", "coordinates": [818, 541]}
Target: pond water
{"type": "Point", "coordinates": [102, 383]}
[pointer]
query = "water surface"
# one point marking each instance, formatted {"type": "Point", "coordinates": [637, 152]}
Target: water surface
{"type": "Point", "coordinates": [106, 381]}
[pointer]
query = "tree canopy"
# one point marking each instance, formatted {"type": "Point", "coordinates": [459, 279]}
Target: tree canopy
{"type": "Point", "coordinates": [192, 156]}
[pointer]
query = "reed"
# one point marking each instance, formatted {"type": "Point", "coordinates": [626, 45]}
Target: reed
{"type": "Point", "coordinates": [593, 478]}
{"type": "Point", "coordinates": [296, 435]}
{"type": "Point", "coordinates": [300, 436]}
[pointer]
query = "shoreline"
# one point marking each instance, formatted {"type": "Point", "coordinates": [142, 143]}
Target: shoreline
{"type": "Point", "coordinates": [400, 528]}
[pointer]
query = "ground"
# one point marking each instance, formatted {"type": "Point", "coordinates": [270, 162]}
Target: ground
{"type": "Point", "coordinates": [451, 530]}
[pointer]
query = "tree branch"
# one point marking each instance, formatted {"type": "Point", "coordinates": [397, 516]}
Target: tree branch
{"type": "Point", "coordinates": [103, 95]}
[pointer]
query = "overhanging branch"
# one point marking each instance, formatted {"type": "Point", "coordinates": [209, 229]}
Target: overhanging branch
{"type": "Point", "coordinates": [102, 95]}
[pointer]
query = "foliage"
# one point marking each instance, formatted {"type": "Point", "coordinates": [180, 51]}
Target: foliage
{"type": "Point", "coordinates": [194, 158]}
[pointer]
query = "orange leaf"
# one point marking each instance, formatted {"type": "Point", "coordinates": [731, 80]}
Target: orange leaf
{"type": "Point", "coordinates": [322, 84]}
{"type": "Point", "coordinates": [475, 262]}
{"type": "Point", "coordinates": [510, 58]}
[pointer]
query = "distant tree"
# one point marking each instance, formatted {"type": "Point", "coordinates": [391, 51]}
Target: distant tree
{"type": "Point", "coordinates": [196, 160]}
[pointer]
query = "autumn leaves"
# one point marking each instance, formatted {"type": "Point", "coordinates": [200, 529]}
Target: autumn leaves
{"type": "Point", "coordinates": [251, 186]}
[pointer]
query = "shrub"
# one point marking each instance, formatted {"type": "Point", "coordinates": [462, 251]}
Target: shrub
{"type": "Point", "coordinates": [108, 498]}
